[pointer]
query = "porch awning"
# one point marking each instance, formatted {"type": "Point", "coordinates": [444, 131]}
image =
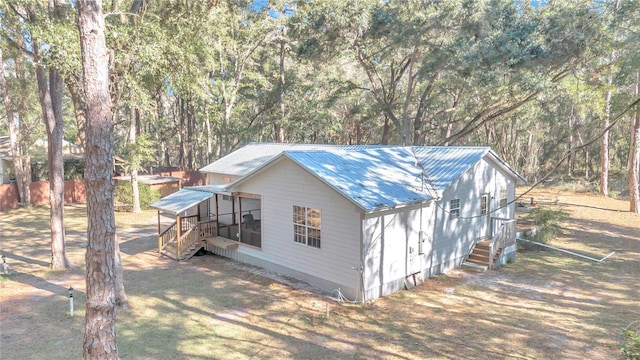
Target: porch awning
{"type": "Point", "coordinates": [181, 200]}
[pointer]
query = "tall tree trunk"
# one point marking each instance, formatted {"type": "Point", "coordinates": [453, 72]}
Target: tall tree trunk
{"type": "Point", "coordinates": [604, 149]}
{"type": "Point", "coordinates": [55, 137]}
{"type": "Point", "coordinates": [280, 123]}
{"type": "Point", "coordinates": [634, 157]}
{"type": "Point", "coordinates": [77, 98]}
{"type": "Point", "coordinates": [25, 138]}
{"type": "Point", "coordinates": [386, 131]}
{"type": "Point", "coordinates": [181, 141]}
{"type": "Point", "coordinates": [207, 123]}
{"type": "Point", "coordinates": [54, 126]}
{"type": "Point", "coordinates": [570, 156]}
{"type": "Point", "coordinates": [604, 145]}
{"type": "Point", "coordinates": [14, 139]}
{"type": "Point", "coordinates": [135, 189]}
{"type": "Point", "coordinates": [121, 295]}
{"type": "Point", "coordinates": [100, 318]}
{"type": "Point", "coordinates": [190, 130]}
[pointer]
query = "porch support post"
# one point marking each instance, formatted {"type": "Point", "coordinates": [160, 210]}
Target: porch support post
{"type": "Point", "coordinates": [159, 237]}
{"type": "Point", "coordinates": [198, 223]}
{"type": "Point", "coordinates": [491, 227]}
{"type": "Point", "coordinates": [178, 236]}
{"type": "Point", "coordinates": [217, 215]}
{"type": "Point", "coordinates": [233, 208]}
{"type": "Point", "coordinates": [240, 231]}
{"type": "Point", "coordinates": [217, 210]}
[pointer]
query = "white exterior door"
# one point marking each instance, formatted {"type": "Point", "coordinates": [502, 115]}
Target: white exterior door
{"type": "Point", "coordinates": [485, 212]}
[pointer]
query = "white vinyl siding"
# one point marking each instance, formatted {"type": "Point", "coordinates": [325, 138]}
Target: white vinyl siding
{"type": "Point", "coordinates": [392, 247]}
{"type": "Point", "coordinates": [283, 185]}
{"type": "Point", "coordinates": [454, 237]}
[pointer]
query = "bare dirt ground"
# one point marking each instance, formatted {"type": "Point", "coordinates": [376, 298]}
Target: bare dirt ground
{"type": "Point", "coordinates": [545, 305]}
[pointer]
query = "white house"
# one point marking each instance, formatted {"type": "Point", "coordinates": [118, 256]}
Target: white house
{"type": "Point", "coordinates": [368, 220]}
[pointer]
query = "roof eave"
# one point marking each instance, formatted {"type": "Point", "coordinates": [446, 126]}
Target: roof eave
{"type": "Point", "coordinates": [397, 206]}
{"type": "Point", "coordinates": [520, 180]}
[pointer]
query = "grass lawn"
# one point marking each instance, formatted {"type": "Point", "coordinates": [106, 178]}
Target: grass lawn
{"type": "Point", "coordinates": [544, 305]}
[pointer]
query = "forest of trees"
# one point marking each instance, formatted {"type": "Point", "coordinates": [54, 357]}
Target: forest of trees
{"type": "Point", "coordinates": [551, 86]}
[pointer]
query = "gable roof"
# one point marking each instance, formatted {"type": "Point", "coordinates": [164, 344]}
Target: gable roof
{"type": "Point", "coordinates": [383, 177]}
{"type": "Point", "coordinates": [254, 155]}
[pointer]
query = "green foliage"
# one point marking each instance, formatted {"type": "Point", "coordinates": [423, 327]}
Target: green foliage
{"type": "Point", "coordinates": [203, 78]}
{"type": "Point", "coordinates": [74, 169]}
{"type": "Point", "coordinates": [140, 153]}
{"type": "Point", "coordinates": [123, 194]}
{"type": "Point", "coordinates": [630, 344]}
{"type": "Point", "coordinates": [547, 222]}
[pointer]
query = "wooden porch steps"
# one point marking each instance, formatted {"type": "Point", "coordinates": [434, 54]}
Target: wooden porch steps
{"type": "Point", "coordinates": [170, 251]}
{"type": "Point", "coordinates": [480, 255]}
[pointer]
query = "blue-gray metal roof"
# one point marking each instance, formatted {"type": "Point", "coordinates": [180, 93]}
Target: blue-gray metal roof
{"type": "Point", "coordinates": [254, 155]}
{"type": "Point", "coordinates": [212, 188]}
{"type": "Point", "coordinates": [384, 177]}
{"type": "Point", "coordinates": [372, 176]}
{"type": "Point", "coordinates": [181, 200]}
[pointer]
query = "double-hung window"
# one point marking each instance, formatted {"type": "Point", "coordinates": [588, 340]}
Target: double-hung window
{"type": "Point", "coordinates": [454, 208]}
{"type": "Point", "coordinates": [503, 197]}
{"type": "Point", "coordinates": [484, 204]}
{"type": "Point", "coordinates": [307, 223]}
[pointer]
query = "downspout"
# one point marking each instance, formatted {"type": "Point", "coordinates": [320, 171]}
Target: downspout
{"type": "Point", "coordinates": [437, 228]}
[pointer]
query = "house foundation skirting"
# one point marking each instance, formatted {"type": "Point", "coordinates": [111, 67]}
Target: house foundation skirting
{"type": "Point", "coordinates": [351, 293]}
{"type": "Point", "coordinates": [320, 284]}
{"type": "Point", "coordinates": [399, 284]}
{"type": "Point", "coordinates": [508, 255]}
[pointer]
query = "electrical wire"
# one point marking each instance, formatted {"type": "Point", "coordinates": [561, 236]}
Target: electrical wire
{"type": "Point", "coordinates": [569, 152]}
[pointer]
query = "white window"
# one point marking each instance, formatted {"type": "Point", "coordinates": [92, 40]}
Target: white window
{"type": "Point", "coordinates": [503, 197]}
{"type": "Point", "coordinates": [307, 224]}
{"type": "Point", "coordinates": [484, 204]}
{"type": "Point", "coordinates": [454, 207]}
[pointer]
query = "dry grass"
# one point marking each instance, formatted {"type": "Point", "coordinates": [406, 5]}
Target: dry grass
{"type": "Point", "coordinates": [545, 305]}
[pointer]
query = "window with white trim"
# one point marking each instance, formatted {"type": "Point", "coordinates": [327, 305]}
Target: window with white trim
{"type": "Point", "coordinates": [503, 197]}
{"type": "Point", "coordinates": [307, 223]}
{"type": "Point", "coordinates": [454, 207]}
{"type": "Point", "coordinates": [484, 204]}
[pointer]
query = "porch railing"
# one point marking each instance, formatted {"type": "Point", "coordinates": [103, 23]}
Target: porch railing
{"type": "Point", "coordinates": [188, 222]}
{"type": "Point", "coordinates": [503, 236]}
{"type": "Point", "coordinates": [188, 239]}
{"type": "Point", "coordinates": [208, 228]}
{"type": "Point", "coordinates": [168, 235]}
{"type": "Point", "coordinates": [189, 236]}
